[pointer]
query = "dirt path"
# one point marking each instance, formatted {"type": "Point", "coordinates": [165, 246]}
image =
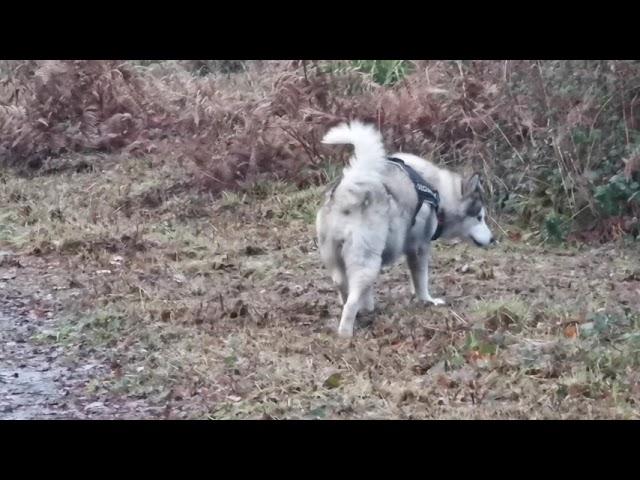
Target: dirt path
{"type": "Point", "coordinates": [43, 379]}
{"type": "Point", "coordinates": [32, 380]}
{"type": "Point", "coordinates": [35, 381]}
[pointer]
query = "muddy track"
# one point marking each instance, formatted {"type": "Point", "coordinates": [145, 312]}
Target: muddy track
{"type": "Point", "coordinates": [39, 380]}
{"type": "Point", "coordinates": [34, 382]}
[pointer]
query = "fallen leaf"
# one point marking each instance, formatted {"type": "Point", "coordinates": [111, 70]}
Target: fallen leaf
{"type": "Point", "coordinates": [333, 381]}
{"type": "Point", "coordinates": [571, 330]}
{"type": "Point", "coordinates": [445, 382]}
{"type": "Point", "coordinates": [515, 236]}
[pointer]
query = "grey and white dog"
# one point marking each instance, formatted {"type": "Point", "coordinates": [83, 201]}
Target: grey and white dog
{"type": "Point", "coordinates": [368, 219]}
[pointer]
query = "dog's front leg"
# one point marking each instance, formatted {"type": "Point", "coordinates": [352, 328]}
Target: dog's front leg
{"type": "Point", "coordinates": [418, 261]}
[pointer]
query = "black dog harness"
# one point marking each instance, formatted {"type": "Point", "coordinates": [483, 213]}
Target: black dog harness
{"type": "Point", "coordinates": [426, 193]}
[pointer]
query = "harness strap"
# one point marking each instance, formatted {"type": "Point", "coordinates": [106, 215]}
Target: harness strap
{"type": "Point", "coordinates": [426, 193]}
{"type": "Point", "coordinates": [438, 232]}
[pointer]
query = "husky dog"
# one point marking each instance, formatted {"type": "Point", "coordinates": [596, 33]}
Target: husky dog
{"type": "Point", "coordinates": [385, 207]}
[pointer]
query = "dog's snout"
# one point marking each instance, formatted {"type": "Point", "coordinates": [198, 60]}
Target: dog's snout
{"type": "Point", "coordinates": [493, 240]}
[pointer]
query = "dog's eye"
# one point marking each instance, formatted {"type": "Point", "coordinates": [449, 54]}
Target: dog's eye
{"type": "Point", "coordinates": [479, 217]}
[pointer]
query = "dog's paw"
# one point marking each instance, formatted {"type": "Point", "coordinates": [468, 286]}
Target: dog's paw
{"type": "Point", "coordinates": [435, 301]}
{"type": "Point", "coordinates": [345, 332]}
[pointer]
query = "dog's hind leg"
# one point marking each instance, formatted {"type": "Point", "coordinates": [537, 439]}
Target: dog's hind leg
{"type": "Point", "coordinates": [418, 261]}
{"type": "Point", "coordinates": [361, 281]}
{"type": "Point", "coordinates": [340, 279]}
{"type": "Point", "coordinates": [368, 301]}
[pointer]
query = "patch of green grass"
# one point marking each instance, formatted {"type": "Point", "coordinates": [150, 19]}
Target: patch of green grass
{"type": "Point", "coordinates": [268, 189]}
{"type": "Point", "coordinates": [453, 358]}
{"type": "Point", "coordinates": [7, 226]}
{"type": "Point", "coordinates": [103, 326]}
{"type": "Point", "coordinates": [385, 72]}
{"type": "Point", "coordinates": [506, 313]}
{"type": "Point", "coordinates": [299, 205]}
{"type": "Point", "coordinates": [331, 171]}
{"type": "Point", "coordinates": [232, 199]}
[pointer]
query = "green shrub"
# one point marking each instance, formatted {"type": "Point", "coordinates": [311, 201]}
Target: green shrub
{"type": "Point", "coordinates": [618, 196]}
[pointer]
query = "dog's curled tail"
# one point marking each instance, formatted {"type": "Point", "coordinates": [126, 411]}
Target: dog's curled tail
{"type": "Point", "coordinates": [369, 152]}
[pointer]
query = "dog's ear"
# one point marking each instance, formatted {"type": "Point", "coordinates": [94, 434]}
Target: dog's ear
{"type": "Point", "coordinates": [473, 185]}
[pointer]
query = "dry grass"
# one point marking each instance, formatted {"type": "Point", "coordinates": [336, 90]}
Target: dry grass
{"type": "Point", "coordinates": [218, 307]}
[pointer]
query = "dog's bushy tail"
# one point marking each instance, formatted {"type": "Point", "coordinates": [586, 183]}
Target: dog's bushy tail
{"type": "Point", "coordinates": [369, 153]}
